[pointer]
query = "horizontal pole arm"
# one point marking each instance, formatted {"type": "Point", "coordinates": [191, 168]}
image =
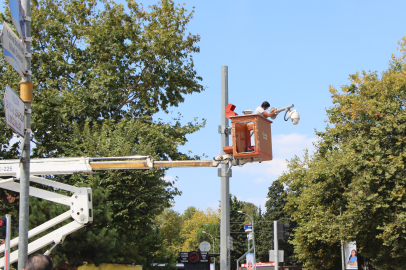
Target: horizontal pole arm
{"type": "Point", "coordinates": [55, 166]}
{"type": "Point", "coordinates": [285, 108]}
{"type": "Point", "coordinates": [144, 165]}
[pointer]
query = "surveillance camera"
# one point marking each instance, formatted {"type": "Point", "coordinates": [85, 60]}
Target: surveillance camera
{"type": "Point", "coordinates": [294, 116]}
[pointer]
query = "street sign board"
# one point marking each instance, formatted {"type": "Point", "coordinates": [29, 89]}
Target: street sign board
{"type": "Point", "coordinates": [229, 242]}
{"type": "Point", "coordinates": [17, 16]}
{"type": "Point", "coordinates": [14, 49]}
{"type": "Point", "coordinates": [248, 227]}
{"type": "Point", "coordinates": [184, 257]}
{"type": "Point", "coordinates": [194, 257]}
{"type": "Point", "coordinates": [281, 255]}
{"type": "Point", "coordinates": [14, 109]}
{"type": "Point", "coordinates": [204, 257]}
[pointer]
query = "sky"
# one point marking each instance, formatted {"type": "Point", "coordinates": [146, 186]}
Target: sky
{"type": "Point", "coordinates": [284, 52]}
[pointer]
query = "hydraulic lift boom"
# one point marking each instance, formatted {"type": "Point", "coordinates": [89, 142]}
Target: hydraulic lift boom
{"type": "Point", "coordinates": [80, 203]}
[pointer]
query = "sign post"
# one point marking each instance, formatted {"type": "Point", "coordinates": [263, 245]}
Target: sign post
{"type": "Point", "coordinates": [18, 54]}
{"type": "Point", "coordinates": [26, 96]}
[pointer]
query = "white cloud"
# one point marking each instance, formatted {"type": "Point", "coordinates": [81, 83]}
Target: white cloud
{"type": "Point", "coordinates": [170, 178]}
{"type": "Point", "coordinates": [285, 147]}
{"type": "Point", "coordinates": [270, 169]}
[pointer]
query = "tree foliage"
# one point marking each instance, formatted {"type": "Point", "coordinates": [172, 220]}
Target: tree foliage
{"type": "Point", "coordinates": [195, 224]}
{"type": "Point", "coordinates": [275, 212]}
{"type": "Point", "coordinates": [100, 73]}
{"type": "Point", "coordinates": [237, 232]}
{"type": "Point", "coordinates": [353, 187]}
{"type": "Point", "coordinates": [184, 232]}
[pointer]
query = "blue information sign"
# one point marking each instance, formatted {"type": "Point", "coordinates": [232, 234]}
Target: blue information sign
{"type": "Point", "coordinates": [17, 16]}
{"type": "Point", "coordinates": [248, 227]}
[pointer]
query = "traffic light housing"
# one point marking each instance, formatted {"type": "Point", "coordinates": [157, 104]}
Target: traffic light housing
{"type": "Point", "coordinates": [281, 230]}
{"type": "Point", "coordinates": [3, 227]}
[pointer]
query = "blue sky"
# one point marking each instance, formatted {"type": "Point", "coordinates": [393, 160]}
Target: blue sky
{"type": "Point", "coordinates": [283, 52]}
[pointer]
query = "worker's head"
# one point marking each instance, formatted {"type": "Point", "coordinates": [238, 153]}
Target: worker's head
{"type": "Point", "coordinates": [39, 262]}
{"type": "Point", "coordinates": [265, 105]}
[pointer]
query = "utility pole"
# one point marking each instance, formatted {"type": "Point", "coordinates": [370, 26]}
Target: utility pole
{"type": "Point", "coordinates": [223, 173]}
{"type": "Point", "coordinates": [26, 96]}
{"type": "Point", "coordinates": [275, 248]}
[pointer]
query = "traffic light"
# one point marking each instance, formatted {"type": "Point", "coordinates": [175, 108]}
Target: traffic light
{"type": "Point", "coordinates": [281, 230]}
{"type": "Point", "coordinates": [3, 227]}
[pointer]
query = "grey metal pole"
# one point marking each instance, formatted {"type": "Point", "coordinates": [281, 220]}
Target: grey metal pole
{"type": "Point", "coordinates": [342, 252]}
{"type": "Point", "coordinates": [25, 148]}
{"type": "Point", "coordinates": [7, 243]}
{"type": "Point", "coordinates": [275, 240]}
{"type": "Point", "coordinates": [342, 256]}
{"type": "Point", "coordinates": [253, 244]}
{"type": "Point", "coordinates": [248, 236]}
{"type": "Point", "coordinates": [225, 188]}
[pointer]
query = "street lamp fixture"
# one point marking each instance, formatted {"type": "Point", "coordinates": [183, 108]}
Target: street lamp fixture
{"type": "Point", "coordinates": [214, 259]}
{"type": "Point", "coordinates": [253, 237]}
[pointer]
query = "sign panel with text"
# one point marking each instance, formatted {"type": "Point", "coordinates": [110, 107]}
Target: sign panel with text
{"type": "Point", "coordinates": [14, 109]}
{"type": "Point", "coordinates": [17, 16]}
{"type": "Point", "coordinates": [14, 49]}
{"type": "Point", "coordinates": [229, 242]}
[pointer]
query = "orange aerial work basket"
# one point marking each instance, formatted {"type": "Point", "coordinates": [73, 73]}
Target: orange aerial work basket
{"type": "Point", "coordinates": [251, 137]}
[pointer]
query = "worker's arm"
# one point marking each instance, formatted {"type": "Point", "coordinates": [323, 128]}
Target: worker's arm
{"type": "Point", "coordinates": [269, 114]}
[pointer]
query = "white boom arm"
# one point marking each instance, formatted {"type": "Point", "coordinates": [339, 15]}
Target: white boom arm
{"type": "Point", "coordinates": [81, 210]}
{"type": "Point", "coordinates": [81, 201]}
{"type": "Point", "coordinates": [54, 166]}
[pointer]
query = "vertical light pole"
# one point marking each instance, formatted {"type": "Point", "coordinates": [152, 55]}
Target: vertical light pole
{"type": "Point", "coordinates": [275, 241]}
{"type": "Point", "coordinates": [26, 96]}
{"type": "Point", "coordinates": [253, 237]}
{"type": "Point", "coordinates": [214, 258]}
{"type": "Point", "coordinates": [222, 172]}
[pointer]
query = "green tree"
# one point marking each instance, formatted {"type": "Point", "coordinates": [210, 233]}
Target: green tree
{"type": "Point", "coordinates": [100, 72]}
{"type": "Point", "coordinates": [169, 224]}
{"type": "Point", "coordinates": [353, 187]}
{"type": "Point", "coordinates": [193, 226]}
{"type": "Point", "coordinates": [214, 230]}
{"type": "Point", "coordinates": [275, 211]}
{"type": "Point", "coordinates": [183, 232]}
{"type": "Point", "coordinates": [237, 221]}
